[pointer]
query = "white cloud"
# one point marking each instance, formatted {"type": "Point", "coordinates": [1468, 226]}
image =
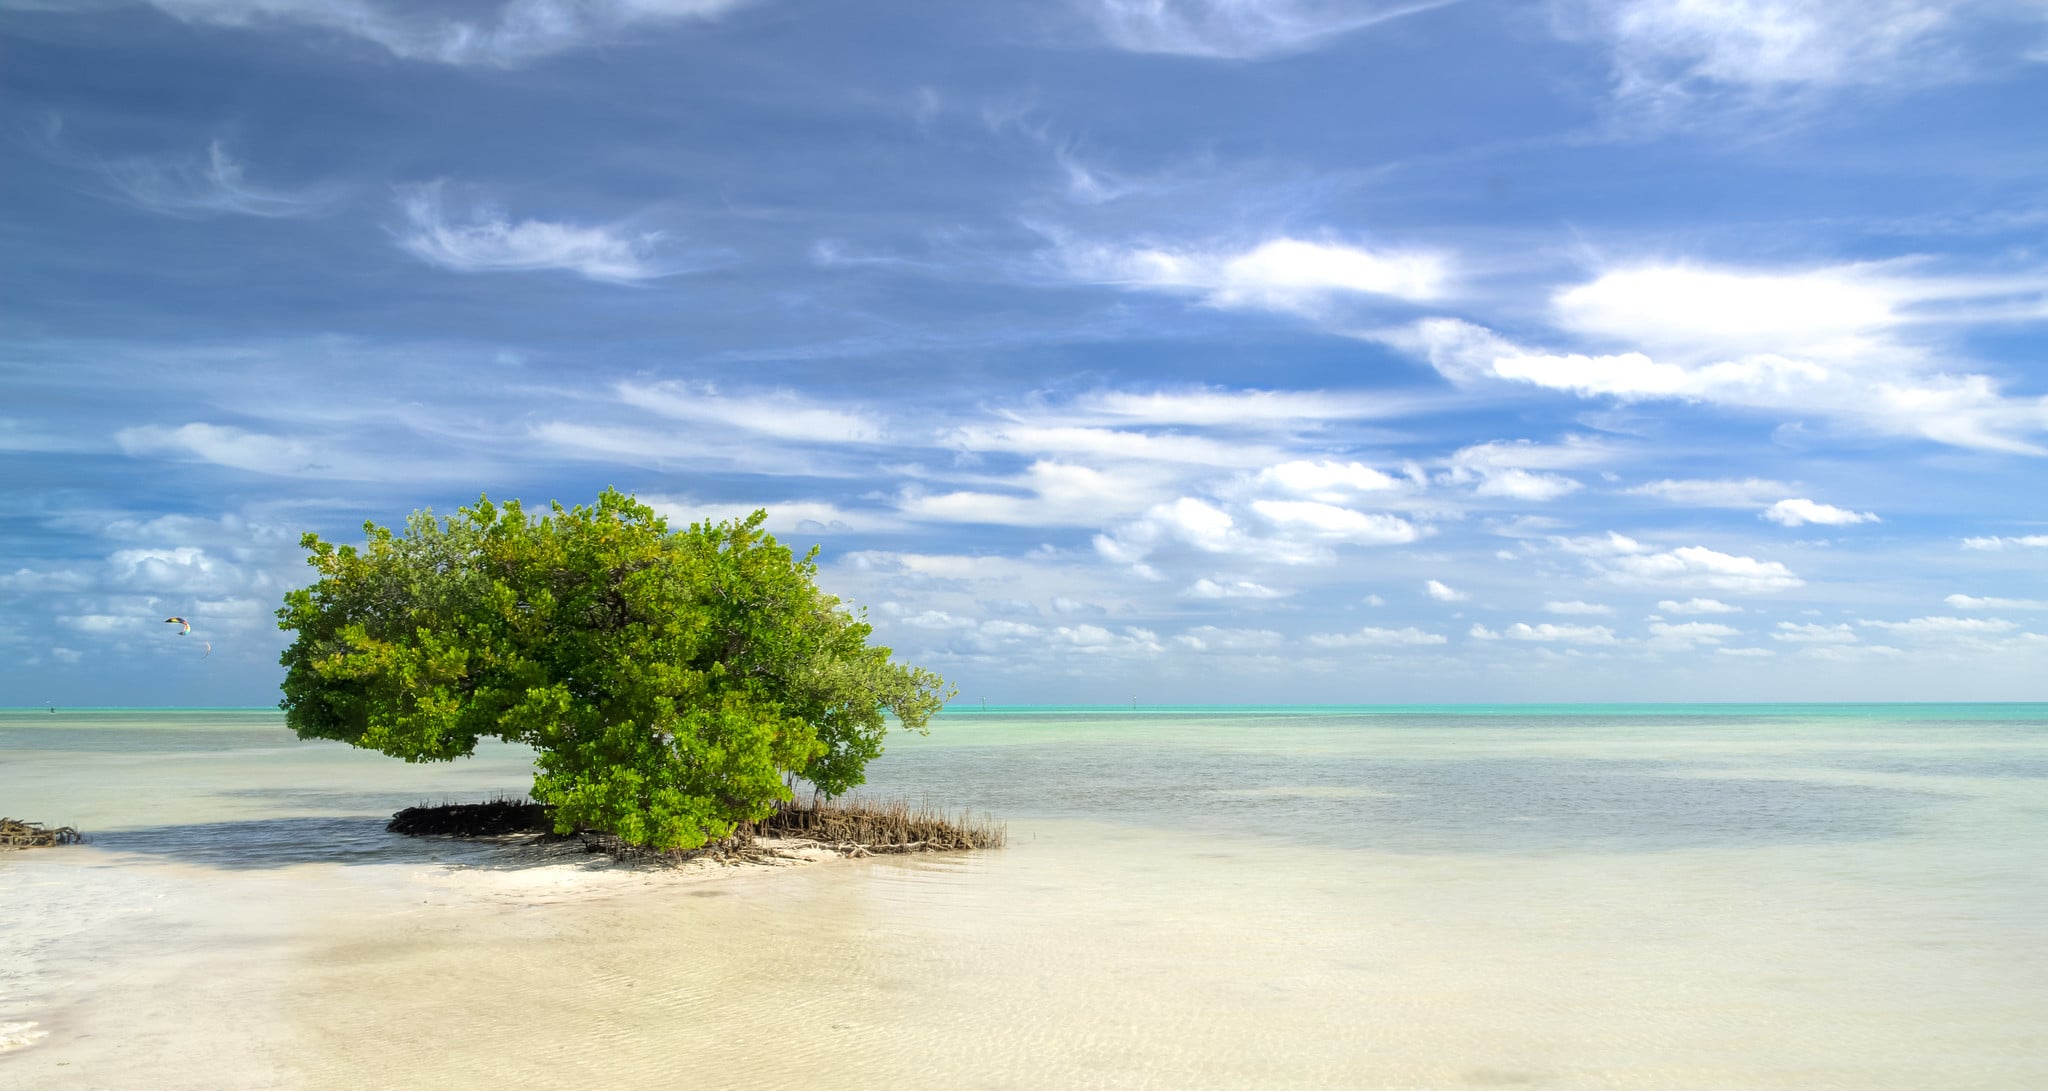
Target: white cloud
{"type": "Point", "coordinates": [1218, 407]}
{"type": "Point", "coordinates": [1282, 274]}
{"type": "Point", "coordinates": [1187, 520]}
{"type": "Point", "coordinates": [1442, 592]}
{"type": "Point", "coordinates": [1328, 521]}
{"type": "Point", "coordinates": [1525, 485]}
{"type": "Point", "coordinates": [1130, 642]}
{"type": "Point", "coordinates": [520, 31]}
{"type": "Point", "coordinates": [1799, 512]}
{"type": "Point", "coordinates": [1237, 29]}
{"type": "Point", "coordinates": [1050, 494]}
{"type": "Point", "coordinates": [1808, 633]}
{"type": "Point", "coordinates": [181, 570]}
{"type": "Point", "coordinates": [1972, 602]}
{"type": "Point", "coordinates": [1108, 443]}
{"type": "Point", "coordinates": [1509, 469]}
{"type": "Point", "coordinates": [1945, 626]}
{"type": "Point", "coordinates": [1371, 637]}
{"type": "Point", "coordinates": [1697, 606]}
{"type": "Point", "coordinates": [1670, 53]}
{"type": "Point", "coordinates": [1547, 633]}
{"type": "Point", "coordinates": [1611, 544]}
{"type": "Point", "coordinates": [1830, 342]}
{"type": "Point", "coordinates": [784, 517]}
{"type": "Point", "coordinates": [1327, 480]}
{"type": "Point", "coordinates": [1577, 608]}
{"type": "Point", "coordinates": [1743, 493]}
{"type": "Point", "coordinates": [1686, 634]}
{"type": "Point", "coordinates": [1696, 313]}
{"type": "Point", "coordinates": [783, 414]}
{"type": "Point", "coordinates": [492, 243]}
{"type": "Point", "coordinates": [2030, 541]}
{"type": "Point", "coordinates": [1757, 653]}
{"type": "Point", "coordinates": [58, 579]}
{"type": "Point", "coordinates": [1698, 566]}
{"type": "Point", "coordinates": [1230, 589]}
{"type": "Point", "coordinates": [209, 186]}
{"type": "Point", "coordinates": [1209, 638]}
{"type": "Point", "coordinates": [239, 449]}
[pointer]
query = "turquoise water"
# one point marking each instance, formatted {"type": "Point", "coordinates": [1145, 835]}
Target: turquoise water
{"type": "Point", "coordinates": [1654, 896]}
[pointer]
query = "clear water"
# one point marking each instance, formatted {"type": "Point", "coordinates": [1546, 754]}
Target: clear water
{"type": "Point", "coordinates": [1549, 896]}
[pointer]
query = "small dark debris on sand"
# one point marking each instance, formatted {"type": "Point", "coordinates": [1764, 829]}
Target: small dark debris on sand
{"type": "Point", "coordinates": [31, 835]}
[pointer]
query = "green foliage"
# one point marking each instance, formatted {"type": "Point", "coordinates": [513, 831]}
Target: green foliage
{"type": "Point", "coordinates": [671, 683]}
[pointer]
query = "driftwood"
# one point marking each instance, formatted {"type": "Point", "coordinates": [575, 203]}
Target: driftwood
{"type": "Point", "coordinates": [29, 835]}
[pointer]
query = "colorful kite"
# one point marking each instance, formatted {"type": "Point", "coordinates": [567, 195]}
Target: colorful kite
{"type": "Point", "coordinates": [186, 631]}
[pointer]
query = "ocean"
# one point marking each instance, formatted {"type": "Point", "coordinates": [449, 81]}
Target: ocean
{"type": "Point", "coordinates": [1590, 896]}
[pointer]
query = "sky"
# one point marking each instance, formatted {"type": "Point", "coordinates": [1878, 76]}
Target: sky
{"type": "Point", "coordinates": [1154, 351]}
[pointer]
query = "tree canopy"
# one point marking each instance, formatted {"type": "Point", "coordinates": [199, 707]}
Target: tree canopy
{"type": "Point", "coordinates": [671, 683]}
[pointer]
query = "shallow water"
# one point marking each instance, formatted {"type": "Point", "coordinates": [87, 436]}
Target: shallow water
{"type": "Point", "coordinates": [1649, 897]}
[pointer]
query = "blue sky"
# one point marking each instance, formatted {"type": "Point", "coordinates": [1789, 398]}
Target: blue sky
{"type": "Point", "coordinates": [1184, 350]}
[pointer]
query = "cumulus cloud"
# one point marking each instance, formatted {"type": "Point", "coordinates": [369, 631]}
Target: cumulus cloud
{"type": "Point", "coordinates": [1697, 606]}
{"type": "Point", "coordinates": [1698, 566]}
{"type": "Point", "coordinates": [1209, 638]}
{"type": "Point", "coordinates": [1797, 632]}
{"type": "Point", "coordinates": [1442, 592]}
{"type": "Point", "coordinates": [1230, 589]}
{"type": "Point", "coordinates": [1327, 480]}
{"type": "Point", "coordinates": [516, 32]}
{"type": "Point", "coordinates": [1684, 635]}
{"type": "Point", "coordinates": [1799, 512]}
{"type": "Point", "coordinates": [493, 243]}
{"type": "Point", "coordinates": [1547, 633]}
{"type": "Point", "coordinates": [1371, 637]}
{"type": "Point", "coordinates": [1338, 524]}
{"type": "Point", "coordinates": [1973, 602]}
{"type": "Point", "coordinates": [1577, 608]}
{"type": "Point", "coordinates": [1624, 560]}
{"type": "Point", "coordinates": [1283, 274]}
{"type": "Point", "coordinates": [1237, 29]}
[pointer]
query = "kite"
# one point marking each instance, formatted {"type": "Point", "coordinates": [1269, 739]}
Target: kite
{"type": "Point", "coordinates": [186, 631]}
{"type": "Point", "coordinates": [209, 651]}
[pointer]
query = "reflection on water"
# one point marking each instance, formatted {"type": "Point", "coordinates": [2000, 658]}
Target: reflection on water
{"type": "Point", "coordinates": [1567, 898]}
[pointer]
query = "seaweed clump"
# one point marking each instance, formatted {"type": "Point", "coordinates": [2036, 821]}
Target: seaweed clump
{"type": "Point", "coordinates": [15, 834]}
